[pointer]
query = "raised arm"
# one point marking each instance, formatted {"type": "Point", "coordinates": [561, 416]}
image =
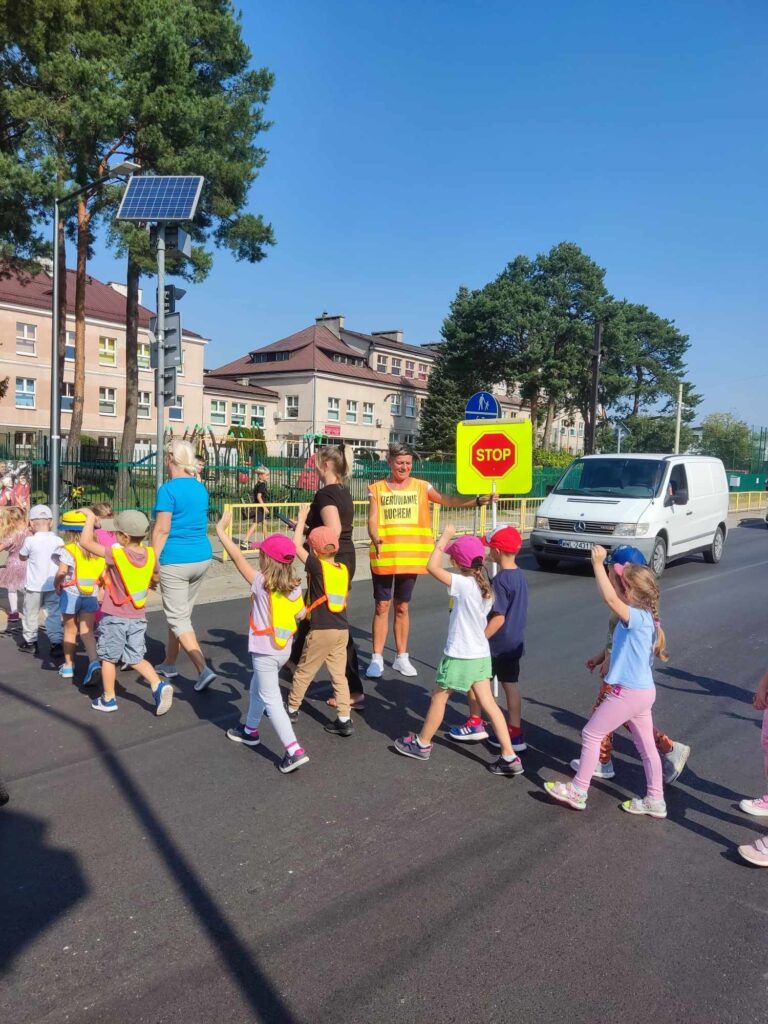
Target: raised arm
{"type": "Point", "coordinates": [242, 564]}
{"type": "Point", "coordinates": [298, 533]}
{"type": "Point", "coordinates": [435, 563]}
{"type": "Point", "coordinates": [87, 542]}
{"type": "Point", "coordinates": [456, 501]}
{"type": "Point", "coordinates": [604, 586]}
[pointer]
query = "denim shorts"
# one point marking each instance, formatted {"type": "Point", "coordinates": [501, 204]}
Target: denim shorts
{"type": "Point", "coordinates": [73, 604]}
{"type": "Point", "coordinates": [121, 640]}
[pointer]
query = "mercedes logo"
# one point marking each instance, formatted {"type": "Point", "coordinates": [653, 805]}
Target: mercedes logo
{"type": "Point", "coordinates": [580, 525]}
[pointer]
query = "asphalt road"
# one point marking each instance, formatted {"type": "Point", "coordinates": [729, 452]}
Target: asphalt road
{"type": "Point", "coordinates": [152, 871]}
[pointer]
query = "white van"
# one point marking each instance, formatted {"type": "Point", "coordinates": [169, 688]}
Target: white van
{"type": "Point", "coordinates": [665, 505]}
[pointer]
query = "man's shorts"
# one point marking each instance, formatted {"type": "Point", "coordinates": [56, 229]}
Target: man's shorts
{"type": "Point", "coordinates": [397, 585]}
{"type": "Point", "coordinates": [506, 666]}
{"type": "Point", "coordinates": [121, 640]}
{"type": "Point", "coordinates": [73, 604]}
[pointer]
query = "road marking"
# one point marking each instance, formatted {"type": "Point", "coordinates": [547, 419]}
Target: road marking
{"type": "Point", "coordinates": [719, 576]}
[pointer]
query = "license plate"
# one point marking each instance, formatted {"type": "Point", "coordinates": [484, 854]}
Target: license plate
{"type": "Point", "coordinates": [579, 545]}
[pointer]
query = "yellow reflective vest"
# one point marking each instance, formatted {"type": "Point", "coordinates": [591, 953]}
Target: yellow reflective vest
{"type": "Point", "coordinates": [335, 587]}
{"type": "Point", "coordinates": [283, 612]}
{"type": "Point", "coordinates": [88, 569]}
{"type": "Point", "coordinates": [135, 578]}
{"type": "Point", "coordinates": [404, 525]}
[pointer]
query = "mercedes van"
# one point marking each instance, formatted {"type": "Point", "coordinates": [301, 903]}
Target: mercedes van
{"type": "Point", "coordinates": [665, 505]}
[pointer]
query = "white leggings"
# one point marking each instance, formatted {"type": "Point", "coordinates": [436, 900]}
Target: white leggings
{"type": "Point", "coordinates": [266, 695]}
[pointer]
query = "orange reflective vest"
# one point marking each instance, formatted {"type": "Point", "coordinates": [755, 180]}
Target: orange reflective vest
{"type": "Point", "coordinates": [404, 524]}
{"type": "Point", "coordinates": [88, 569]}
{"type": "Point", "coordinates": [335, 586]}
{"type": "Point", "coordinates": [283, 612]}
{"type": "Point", "coordinates": [135, 578]}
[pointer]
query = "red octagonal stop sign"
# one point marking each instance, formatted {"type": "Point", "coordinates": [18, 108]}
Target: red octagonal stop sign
{"type": "Point", "coordinates": [493, 455]}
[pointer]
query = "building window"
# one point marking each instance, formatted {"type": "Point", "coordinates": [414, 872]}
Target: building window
{"type": "Point", "coordinates": [67, 396]}
{"type": "Point", "coordinates": [394, 437]}
{"type": "Point", "coordinates": [143, 411]}
{"type": "Point", "coordinates": [180, 367]}
{"type": "Point", "coordinates": [410, 405]}
{"type": "Point", "coordinates": [24, 442]}
{"type": "Point", "coordinates": [143, 356]}
{"type": "Point", "coordinates": [107, 402]}
{"type": "Point", "coordinates": [176, 411]}
{"type": "Point", "coordinates": [293, 449]}
{"type": "Point", "coordinates": [410, 368]}
{"type": "Point", "coordinates": [107, 351]}
{"type": "Point", "coordinates": [581, 428]}
{"type": "Point", "coordinates": [332, 414]}
{"type": "Point", "coordinates": [423, 371]}
{"type": "Point", "coordinates": [292, 407]}
{"type": "Point", "coordinates": [258, 416]}
{"type": "Point", "coordinates": [395, 407]}
{"type": "Point", "coordinates": [237, 416]}
{"type": "Point", "coordinates": [368, 413]}
{"type": "Point", "coordinates": [409, 438]}
{"type": "Point", "coordinates": [351, 411]}
{"type": "Point", "coordinates": [69, 347]}
{"type": "Point", "coordinates": [106, 442]}
{"type": "Point", "coordinates": [270, 357]}
{"type": "Point", "coordinates": [396, 365]}
{"type": "Point", "coordinates": [25, 393]}
{"type": "Point", "coordinates": [218, 412]}
{"type": "Point", "coordinates": [26, 339]}
{"type": "Point", "coordinates": [381, 363]}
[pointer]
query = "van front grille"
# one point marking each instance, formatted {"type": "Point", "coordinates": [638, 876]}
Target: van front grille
{"type": "Point", "coordinates": [570, 526]}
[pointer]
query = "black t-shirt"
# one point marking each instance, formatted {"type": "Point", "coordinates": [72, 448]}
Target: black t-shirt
{"type": "Point", "coordinates": [322, 617]}
{"type": "Point", "coordinates": [339, 497]}
{"type": "Point", "coordinates": [261, 489]}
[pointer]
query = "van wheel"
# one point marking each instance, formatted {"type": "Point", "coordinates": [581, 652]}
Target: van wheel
{"type": "Point", "coordinates": [658, 562]}
{"type": "Point", "coordinates": [714, 552]}
{"type": "Point", "coordinates": [547, 564]}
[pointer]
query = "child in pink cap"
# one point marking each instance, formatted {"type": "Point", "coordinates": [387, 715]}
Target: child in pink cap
{"type": "Point", "coordinates": [466, 662]}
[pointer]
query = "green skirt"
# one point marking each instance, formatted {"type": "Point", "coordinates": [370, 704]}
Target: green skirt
{"type": "Point", "coordinates": [462, 673]}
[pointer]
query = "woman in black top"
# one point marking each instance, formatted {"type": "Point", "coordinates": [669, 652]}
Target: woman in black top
{"type": "Point", "coordinates": [259, 496]}
{"type": "Point", "coordinates": [332, 506]}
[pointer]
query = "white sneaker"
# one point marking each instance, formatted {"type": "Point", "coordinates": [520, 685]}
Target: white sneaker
{"type": "Point", "coordinates": [603, 771]}
{"type": "Point", "coordinates": [169, 671]}
{"type": "Point", "coordinates": [376, 669]}
{"type": "Point", "coordinates": [205, 678]}
{"type": "Point", "coordinates": [402, 664]}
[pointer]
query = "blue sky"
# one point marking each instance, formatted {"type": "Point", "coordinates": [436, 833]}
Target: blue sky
{"type": "Point", "coordinates": [418, 146]}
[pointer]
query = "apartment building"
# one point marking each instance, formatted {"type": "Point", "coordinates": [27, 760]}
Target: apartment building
{"type": "Point", "coordinates": [25, 358]}
{"type": "Point", "coordinates": [364, 389]}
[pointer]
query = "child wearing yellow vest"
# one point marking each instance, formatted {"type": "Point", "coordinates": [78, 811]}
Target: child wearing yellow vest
{"type": "Point", "coordinates": [77, 580]}
{"type": "Point", "coordinates": [123, 627]}
{"type": "Point", "coordinates": [276, 606]}
{"type": "Point", "coordinates": [327, 589]}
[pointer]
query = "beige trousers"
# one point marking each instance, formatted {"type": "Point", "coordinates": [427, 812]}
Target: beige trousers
{"type": "Point", "coordinates": [329, 646]}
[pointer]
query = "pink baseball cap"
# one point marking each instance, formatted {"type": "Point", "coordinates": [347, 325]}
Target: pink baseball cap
{"type": "Point", "coordinates": [279, 547]}
{"type": "Point", "coordinates": [468, 552]}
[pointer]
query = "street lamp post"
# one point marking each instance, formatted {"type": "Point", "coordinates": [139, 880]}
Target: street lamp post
{"type": "Point", "coordinates": [54, 484]}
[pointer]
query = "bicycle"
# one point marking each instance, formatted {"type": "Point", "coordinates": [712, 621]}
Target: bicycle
{"type": "Point", "coordinates": [71, 496]}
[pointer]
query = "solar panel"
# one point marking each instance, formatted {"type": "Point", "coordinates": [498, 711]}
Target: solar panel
{"type": "Point", "coordinates": [160, 198]}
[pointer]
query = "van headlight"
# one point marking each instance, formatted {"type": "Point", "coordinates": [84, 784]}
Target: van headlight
{"type": "Point", "coordinates": [630, 529]}
{"type": "Point", "coordinates": [542, 523]}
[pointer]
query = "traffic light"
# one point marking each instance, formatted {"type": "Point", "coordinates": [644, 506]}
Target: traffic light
{"type": "Point", "coordinates": [171, 296]}
{"type": "Point", "coordinates": [172, 347]}
{"type": "Point", "coordinates": [169, 385]}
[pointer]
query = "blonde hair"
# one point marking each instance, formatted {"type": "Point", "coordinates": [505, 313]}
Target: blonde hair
{"type": "Point", "coordinates": [480, 577]}
{"type": "Point", "coordinates": [13, 519]}
{"type": "Point", "coordinates": [336, 455]}
{"type": "Point", "coordinates": [642, 591]}
{"type": "Point", "coordinates": [73, 537]}
{"type": "Point", "coordinates": [278, 577]}
{"type": "Point", "coordinates": [183, 455]}
{"type": "Point", "coordinates": [102, 509]}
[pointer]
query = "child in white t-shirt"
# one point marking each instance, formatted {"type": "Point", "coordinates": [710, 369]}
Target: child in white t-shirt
{"type": "Point", "coordinates": [39, 592]}
{"type": "Point", "coordinates": [466, 662]}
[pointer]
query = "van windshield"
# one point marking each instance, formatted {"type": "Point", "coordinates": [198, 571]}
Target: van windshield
{"type": "Point", "coordinates": [613, 477]}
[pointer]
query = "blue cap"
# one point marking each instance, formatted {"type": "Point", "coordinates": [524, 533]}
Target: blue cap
{"type": "Point", "coordinates": [625, 554]}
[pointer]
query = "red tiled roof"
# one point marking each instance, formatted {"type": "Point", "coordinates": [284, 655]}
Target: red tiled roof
{"type": "Point", "coordinates": [102, 302]}
{"type": "Point", "coordinates": [223, 386]}
{"type": "Point", "coordinates": [399, 346]}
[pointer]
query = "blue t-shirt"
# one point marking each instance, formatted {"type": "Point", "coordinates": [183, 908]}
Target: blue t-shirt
{"type": "Point", "coordinates": [510, 599]}
{"type": "Point", "coordinates": [187, 501]}
{"type": "Point", "coordinates": [632, 653]}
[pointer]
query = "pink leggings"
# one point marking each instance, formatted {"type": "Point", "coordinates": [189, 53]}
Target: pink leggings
{"type": "Point", "coordinates": [634, 708]}
{"type": "Point", "coordinates": [764, 738]}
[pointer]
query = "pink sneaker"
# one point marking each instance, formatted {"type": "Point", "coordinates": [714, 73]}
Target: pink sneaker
{"type": "Point", "coordinates": [758, 806]}
{"type": "Point", "coordinates": [756, 853]}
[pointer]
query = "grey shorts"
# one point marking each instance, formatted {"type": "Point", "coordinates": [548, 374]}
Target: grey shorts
{"type": "Point", "coordinates": [179, 585]}
{"type": "Point", "coordinates": [121, 640]}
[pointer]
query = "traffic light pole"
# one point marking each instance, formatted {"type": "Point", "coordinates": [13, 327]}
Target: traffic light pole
{"type": "Point", "coordinates": [160, 342]}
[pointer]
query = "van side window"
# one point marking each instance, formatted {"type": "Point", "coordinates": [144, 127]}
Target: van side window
{"type": "Point", "coordinates": [678, 481]}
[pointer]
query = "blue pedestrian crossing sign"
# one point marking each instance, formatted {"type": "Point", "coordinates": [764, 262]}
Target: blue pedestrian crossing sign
{"type": "Point", "coordinates": [482, 406]}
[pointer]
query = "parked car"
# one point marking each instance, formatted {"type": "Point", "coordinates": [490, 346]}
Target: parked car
{"type": "Point", "coordinates": [665, 505]}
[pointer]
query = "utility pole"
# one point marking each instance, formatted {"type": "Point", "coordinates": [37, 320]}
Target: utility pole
{"type": "Point", "coordinates": [589, 440]}
{"type": "Point", "coordinates": [679, 418]}
{"type": "Point", "coordinates": [160, 343]}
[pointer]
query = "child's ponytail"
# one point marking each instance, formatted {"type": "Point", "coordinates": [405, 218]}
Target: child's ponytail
{"type": "Point", "coordinates": [641, 587]}
{"type": "Point", "coordinates": [480, 577]}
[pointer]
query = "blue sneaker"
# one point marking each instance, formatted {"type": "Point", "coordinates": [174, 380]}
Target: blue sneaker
{"type": "Point", "coordinates": [518, 741]}
{"type": "Point", "coordinates": [93, 673]}
{"type": "Point", "coordinates": [470, 732]}
{"type": "Point", "coordinates": [163, 696]}
{"type": "Point", "coordinates": [240, 734]}
{"type": "Point", "coordinates": [410, 747]}
{"type": "Point", "coordinates": [293, 761]}
{"type": "Point", "coordinates": [67, 672]}
{"type": "Point", "coordinates": [100, 704]}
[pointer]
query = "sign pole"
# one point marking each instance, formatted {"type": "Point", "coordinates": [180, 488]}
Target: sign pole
{"type": "Point", "coordinates": [494, 567]}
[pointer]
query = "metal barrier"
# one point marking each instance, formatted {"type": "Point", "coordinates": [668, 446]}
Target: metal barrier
{"type": "Point", "coordinates": [245, 525]}
{"type": "Point", "coordinates": [747, 501]}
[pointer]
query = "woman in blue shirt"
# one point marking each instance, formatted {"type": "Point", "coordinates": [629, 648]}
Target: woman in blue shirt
{"type": "Point", "coordinates": [183, 551]}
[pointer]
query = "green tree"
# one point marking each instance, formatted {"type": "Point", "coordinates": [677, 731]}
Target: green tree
{"type": "Point", "coordinates": [727, 438]}
{"type": "Point", "coordinates": [442, 409]}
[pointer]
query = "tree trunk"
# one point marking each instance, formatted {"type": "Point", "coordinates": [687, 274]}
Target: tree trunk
{"type": "Point", "coordinates": [76, 427]}
{"type": "Point", "coordinates": [123, 498]}
{"type": "Point", "coordinates": [638, 387]}
{"type": "Point", "coordinates": [550, 418]}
